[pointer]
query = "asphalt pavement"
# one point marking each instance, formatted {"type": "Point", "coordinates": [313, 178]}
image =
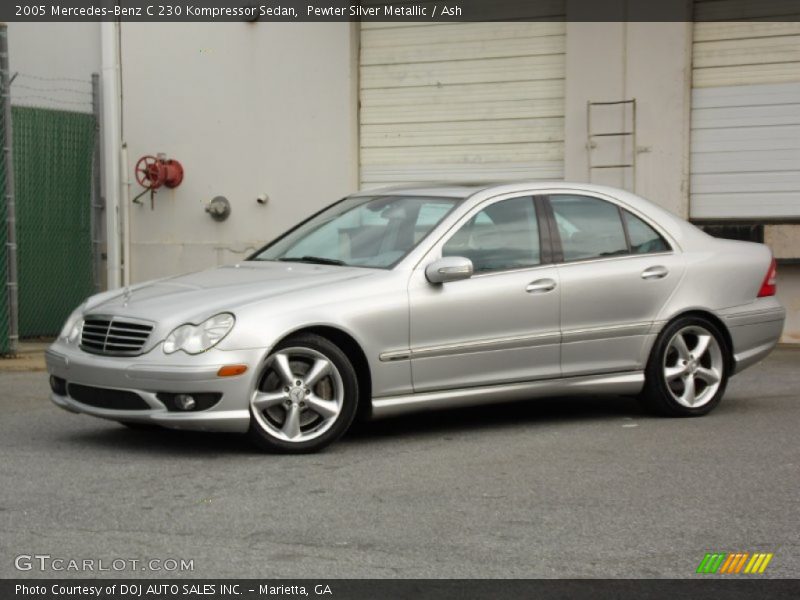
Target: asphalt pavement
{"type": "Point", "coordinates": [567, 487]}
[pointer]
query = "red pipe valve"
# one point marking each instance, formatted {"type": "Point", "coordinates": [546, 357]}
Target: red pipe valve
{"type": "Point", "coordinates": [152, 172]}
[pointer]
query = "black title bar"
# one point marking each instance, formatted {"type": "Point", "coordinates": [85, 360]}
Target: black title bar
{"type": "Point", "coordinates": [416, 589]}
{"type": "Point", "coordinates": [400, 11]}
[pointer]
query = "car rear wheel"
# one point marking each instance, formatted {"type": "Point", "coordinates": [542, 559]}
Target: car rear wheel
{"type": "Point", "coordinates": [306, 396]}
{"type": "Point", "coordinates": [687, 372]}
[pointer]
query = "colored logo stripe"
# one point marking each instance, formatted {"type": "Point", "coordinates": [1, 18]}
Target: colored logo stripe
{"type": "Point", "coordinates": [710, 563]}
{"type": "Point", "coordinates": [734, 562]}
{"type": "Point", "coordinates": [758, 563]}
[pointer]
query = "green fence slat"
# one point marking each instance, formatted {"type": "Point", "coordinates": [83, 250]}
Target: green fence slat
{"type": "Point", "coordinates": [53, 168]}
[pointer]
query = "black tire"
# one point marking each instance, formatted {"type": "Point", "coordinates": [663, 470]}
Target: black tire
{"type": "Point", "coordinates": [657, 396]}
{"type": "Point", "coordinates": [263, 438]}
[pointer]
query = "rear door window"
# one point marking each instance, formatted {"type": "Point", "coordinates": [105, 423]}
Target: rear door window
{"type": "Point", "coordinates": [588, 227]}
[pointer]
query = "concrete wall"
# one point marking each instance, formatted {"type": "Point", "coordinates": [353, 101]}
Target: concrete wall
{"type": "Point", "coordinates": [789, 295]}
{"type": "Point", "coordinates": [247, 108]}
{"type": "Point", "coordinates": [651, 62]}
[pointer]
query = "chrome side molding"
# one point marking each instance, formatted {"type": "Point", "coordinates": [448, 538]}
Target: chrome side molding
{"type": "Point", "coordinates": [611, 383]}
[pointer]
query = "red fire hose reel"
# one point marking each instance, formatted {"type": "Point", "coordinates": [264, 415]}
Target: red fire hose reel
{"type": "Point", "coordinates": [152, 172]}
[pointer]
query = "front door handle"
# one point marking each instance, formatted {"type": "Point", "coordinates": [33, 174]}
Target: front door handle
{"type": "Point", "coordinates": [658, 272]}
{"type": "Point", "coordinates": [540, 286]}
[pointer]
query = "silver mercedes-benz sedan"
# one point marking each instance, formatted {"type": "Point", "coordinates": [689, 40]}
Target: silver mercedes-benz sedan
{"type": "Point", "coordinates": [407, 299]}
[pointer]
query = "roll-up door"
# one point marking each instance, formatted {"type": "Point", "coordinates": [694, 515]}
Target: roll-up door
{"type": "Point", "coordinates": [462, 101]}
{"type": "Point", "coordinates": [745, 124]}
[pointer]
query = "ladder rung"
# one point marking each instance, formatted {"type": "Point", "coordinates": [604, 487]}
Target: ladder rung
{"type": "Point", "coordinates": [610, 103]}
{"type": "Point", "coordinates": [610, 166]}
{"type": "Point", "coordinates": [610, 134]}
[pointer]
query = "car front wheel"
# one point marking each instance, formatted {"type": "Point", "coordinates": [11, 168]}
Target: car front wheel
{"type": "Point", "coordinates": [306, 396]}
{"type": "Point", "coordinates": [687, 372]}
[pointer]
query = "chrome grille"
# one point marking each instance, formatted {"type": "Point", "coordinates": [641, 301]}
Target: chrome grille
{"type": "Point", "coordinates": [114, 336]}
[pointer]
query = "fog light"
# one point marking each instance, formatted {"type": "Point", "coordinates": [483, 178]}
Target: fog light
{"type": "Point", "coordinates": [184, 401]}
{"type": "Point", "coordinates": [175, 402]}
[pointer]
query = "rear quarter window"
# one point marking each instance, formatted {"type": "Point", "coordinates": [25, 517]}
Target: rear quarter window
{"type": "Point", "coordinates": [644, 239]}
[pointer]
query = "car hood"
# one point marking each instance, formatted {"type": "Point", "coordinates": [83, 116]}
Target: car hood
{"type": "Point", "coordinates": [197, 296]}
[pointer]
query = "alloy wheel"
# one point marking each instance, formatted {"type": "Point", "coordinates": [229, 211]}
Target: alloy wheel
{"type": "Point", "coordinates": [300, 395]}
{"type": "Point", "coordinates": [693, 366]}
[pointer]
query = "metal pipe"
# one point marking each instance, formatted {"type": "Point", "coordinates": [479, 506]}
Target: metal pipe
{"type": "Point", "coordinates": [11, 207]}
{"type": "Point", "coordinates": [126, 218]}
{"type": "Point", "coordinates": [125, 176]}
{"type": "Point", "coordinates": [109, 48]}
{"type": "Point", "coordinates": [98, 201]}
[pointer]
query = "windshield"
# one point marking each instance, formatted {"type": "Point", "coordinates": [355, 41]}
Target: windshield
{"type": "Point", "coordinates": [365, 231]}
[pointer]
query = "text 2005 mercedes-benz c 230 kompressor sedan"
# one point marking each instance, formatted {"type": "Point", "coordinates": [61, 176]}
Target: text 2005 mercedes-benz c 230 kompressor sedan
{"type": "Point", "coordinates": [405, 299]}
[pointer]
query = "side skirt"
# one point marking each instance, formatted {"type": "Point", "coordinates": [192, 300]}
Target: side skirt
{"type": "Point", "coordinates": [611, 383]}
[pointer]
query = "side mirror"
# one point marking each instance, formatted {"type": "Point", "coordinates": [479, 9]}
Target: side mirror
{"type": "Point", "coordinates": [450, 268]}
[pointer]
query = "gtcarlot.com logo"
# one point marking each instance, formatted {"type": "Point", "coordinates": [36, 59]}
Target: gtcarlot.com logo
{"type": "Point", "coordinates": [46, 562]}
{"type": "Point", "coordinates": [734, 563]}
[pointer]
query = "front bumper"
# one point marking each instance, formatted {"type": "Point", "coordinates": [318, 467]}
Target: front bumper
{"type": "Point", "coordinates": [154, 373]}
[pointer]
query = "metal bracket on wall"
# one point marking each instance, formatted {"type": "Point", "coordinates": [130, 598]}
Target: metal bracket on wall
{"type": "Point", "coordinates": [219, 208]}
{"type": "Point", "coordinates": [626, 133]}
{"type": "Point", "coordinates": [142, 193]}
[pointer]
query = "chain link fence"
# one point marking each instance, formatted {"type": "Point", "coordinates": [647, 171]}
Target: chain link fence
{"type": "Point", "coordinates": [5, 322]}
{"type": "Point", "coordinates": [54, 128]}
{"type": "Point", "coordinates": [53, 179]}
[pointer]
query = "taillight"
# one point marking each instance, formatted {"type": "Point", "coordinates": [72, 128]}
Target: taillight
{"type": "Point", "coordinates": [769, 285]}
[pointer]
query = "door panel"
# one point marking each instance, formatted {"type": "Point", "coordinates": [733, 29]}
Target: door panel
{"type": "Point", "coordinates": [608, 307]}
{"type": "Point", "coordinates": [622, 272]}
{"type": "Point", "coordinates": [502, 324]}
{"type": "Point", "coordinates": [484, 330]}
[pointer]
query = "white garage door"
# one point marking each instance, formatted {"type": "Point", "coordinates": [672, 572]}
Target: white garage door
{"type": "Point", "coordinates": [745, 155]}
{"type": "Point", "coordinates": [462, 101]}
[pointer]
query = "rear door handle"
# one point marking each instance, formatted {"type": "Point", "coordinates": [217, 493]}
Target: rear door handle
{"type": "Point", "coordinates": [658, 272]}
{"type": "Point", "coordinates": [540, 286]}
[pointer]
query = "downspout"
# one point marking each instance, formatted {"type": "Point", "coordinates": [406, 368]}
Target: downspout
{"type": "Point", "coordinates": [112, 110]}
{"type": "Point", "coordinates": [125, 213]}
{"type": "Point", "coordinates": [125, 199]}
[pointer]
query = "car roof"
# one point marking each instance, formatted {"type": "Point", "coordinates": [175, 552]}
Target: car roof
{"type": "Point", "coordinates": [441, 189]}
{"type": "Point", "coordinates": [467, 189]}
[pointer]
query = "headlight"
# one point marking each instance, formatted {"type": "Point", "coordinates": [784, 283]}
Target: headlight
{"type": "Point", "coordinates": [71, 331]}
{"type": "Point", "coordinates": [194, 339]}
{"type": "Point", "coordinates": [75, 333]}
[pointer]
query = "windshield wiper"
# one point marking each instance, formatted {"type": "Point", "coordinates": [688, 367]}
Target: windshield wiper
{"type": "Point", "coordinates": [313, 259]}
